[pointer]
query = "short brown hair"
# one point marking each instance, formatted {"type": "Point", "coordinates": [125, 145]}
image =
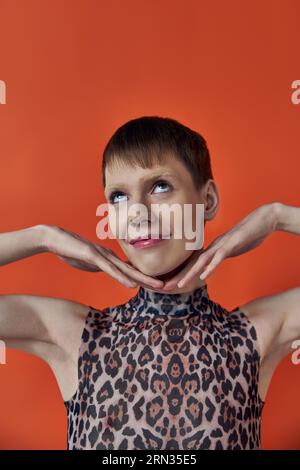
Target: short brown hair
{"type": "Point", "coordinates": [145, 141]}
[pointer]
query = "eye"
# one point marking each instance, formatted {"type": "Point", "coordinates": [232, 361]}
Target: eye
{"type": "Point", "coordinates": [162, 183]}
{"type": "Point", "coordinates": [112, 196]}
{"type": "Point", "coordinates": [158, 183]}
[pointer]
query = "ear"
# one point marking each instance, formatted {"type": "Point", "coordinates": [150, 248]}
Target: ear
{"type": "Point", "coordinates": [211, 200]}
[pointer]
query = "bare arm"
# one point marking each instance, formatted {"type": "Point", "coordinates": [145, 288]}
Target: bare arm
{"type": "Point", "coordinates": [288, 220]}
{"type": "Point", "coordinates": [51, 328]}
{"type": "Point", "coordinates": [31, 322]}
{"type": "Point", "coordinates": [40, 325]}
{"type": "Point", "coordinates": [276, 319]}
{"type": "Point", "coordinates": [35, 324]}
{"type": "Point", "coordinates": [21, 244]}
{"type": "Point", "coordinates": [74, 250]}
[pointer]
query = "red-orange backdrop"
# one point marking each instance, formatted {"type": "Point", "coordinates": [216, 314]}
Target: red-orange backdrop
{"type": "Point", "coordinates": [75, 70]}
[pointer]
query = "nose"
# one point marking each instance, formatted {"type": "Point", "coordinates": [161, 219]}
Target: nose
{"type": "Point", "coordinates": [139, 218]}
{"type": "Point", "coordinates": [139, 212]}
{"type": "Point", "coordinates": [138, 228]}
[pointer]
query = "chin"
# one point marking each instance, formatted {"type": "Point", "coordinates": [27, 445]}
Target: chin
{"type": "Point", "coordinates": [153, 272]}
{"type": "Point", "coordinates": [159, 270]}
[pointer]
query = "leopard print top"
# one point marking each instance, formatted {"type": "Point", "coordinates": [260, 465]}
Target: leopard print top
{"type": "Point", "coordinates": [166, 371]}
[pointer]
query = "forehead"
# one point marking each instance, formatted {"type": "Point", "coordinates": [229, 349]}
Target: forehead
{"type": "Point", "coordinates": [122, 173]}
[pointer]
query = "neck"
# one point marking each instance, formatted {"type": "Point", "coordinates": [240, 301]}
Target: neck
{"type": "Point", "coordinates": [147, 302]}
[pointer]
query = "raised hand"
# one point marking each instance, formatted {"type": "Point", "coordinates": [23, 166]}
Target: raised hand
{"type": "Point", "coordinates": [246, 235]}
{"type": "Point", "coordinates": [86, 255]}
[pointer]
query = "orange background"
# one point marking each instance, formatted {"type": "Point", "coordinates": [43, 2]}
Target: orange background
{"type": "Point", "coordinates": [77, 70]}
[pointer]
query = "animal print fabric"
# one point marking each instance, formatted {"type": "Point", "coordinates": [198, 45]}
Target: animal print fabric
{"type": "Point", "coordinates": [166, 371]}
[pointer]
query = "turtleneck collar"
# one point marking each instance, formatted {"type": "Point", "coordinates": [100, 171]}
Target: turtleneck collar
{"type": "Point", "coordinates": [147, 301]}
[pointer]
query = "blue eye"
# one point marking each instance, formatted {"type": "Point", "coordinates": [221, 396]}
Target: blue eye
{"type": "Point", "coordinates": [112, 196]}
{"type": "Point", "coordinates": [117, 193]}
{"type": "Point", "coordinates": [162, 183]}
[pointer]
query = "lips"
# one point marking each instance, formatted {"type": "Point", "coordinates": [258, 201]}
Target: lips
{"type": "Point", "coordinates": [133, 241]}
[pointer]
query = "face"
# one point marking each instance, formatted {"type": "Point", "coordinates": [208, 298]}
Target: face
{"type": "Point", "coordinates": [157, 189]}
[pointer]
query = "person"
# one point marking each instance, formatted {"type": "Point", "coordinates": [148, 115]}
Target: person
{"type": "Point", "coordinates": [170, 368]}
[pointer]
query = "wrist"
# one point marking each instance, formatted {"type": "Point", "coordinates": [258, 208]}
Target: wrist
{"type": "Point", "coordinates": [41, 234]}
{"type": "Point", "coordinates": [277, 208]}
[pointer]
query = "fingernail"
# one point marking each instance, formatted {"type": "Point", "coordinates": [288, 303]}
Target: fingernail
{"type": "Point", "coordinates": [132, 285]}
{"type": "Point", "coordinates": [168, 287]}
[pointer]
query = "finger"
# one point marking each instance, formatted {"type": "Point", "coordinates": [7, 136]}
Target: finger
{"type": "Point", "coordinates": [137, 275]}
{"type": "Point", "coordinates": [86, 253]}
{"type": "Point", "coordinates": [114, 272]}
{"type": "Point", "coordinates": [104, 264]}
{"type": "Point", "coordinates": [195, 270]}
{"type": "Point", "coordinates": [212, 266]}
{"type": "Point", "coordinates": [132, 272]}
{"type": "Point", "coordinates": [75, 263]}
{"type": "Point", "coordinates": [172, 283]}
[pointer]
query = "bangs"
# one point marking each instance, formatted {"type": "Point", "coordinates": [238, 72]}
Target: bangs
{"type": "Point", "coordinates": [137, 158]}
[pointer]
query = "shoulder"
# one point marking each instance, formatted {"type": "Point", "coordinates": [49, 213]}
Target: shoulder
{"type": "Point", "coordinates": [66, 321]}
{"type": "Point", "coordinates": [268, 314]}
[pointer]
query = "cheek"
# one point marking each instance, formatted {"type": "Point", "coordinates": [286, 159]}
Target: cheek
{"type": "Point", "coordinates": [174, 254]}
{"type": "Point", "coordinates": [177, 248]}
{"type": "Point", "coordinates": [113, 221]}
{"type": "Point", "coordinates": [169, 218]}
{"type": "Point", "coordinates": [118, 223]}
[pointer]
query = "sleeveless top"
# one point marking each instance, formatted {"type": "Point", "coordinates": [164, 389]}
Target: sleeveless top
{"type": "Point", "coordinates": [166, 371]}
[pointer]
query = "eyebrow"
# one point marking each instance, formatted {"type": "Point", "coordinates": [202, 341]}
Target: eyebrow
{"type": "Point", "coordinates": [144, 179]}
